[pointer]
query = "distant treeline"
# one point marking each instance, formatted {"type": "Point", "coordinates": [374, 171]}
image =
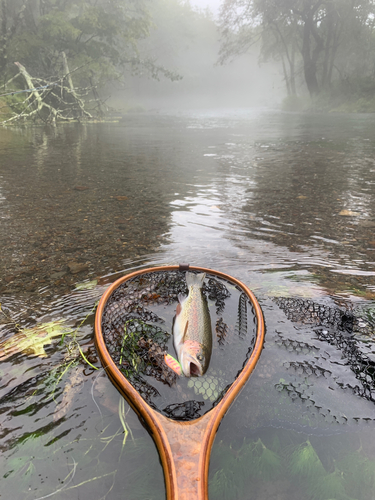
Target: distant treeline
{"type": "Point", "coordinates": [325, 49]}
{"type": "Point", "coordinates": [324, 46]}
{"type": "Point", "coordinates": [100, 37]}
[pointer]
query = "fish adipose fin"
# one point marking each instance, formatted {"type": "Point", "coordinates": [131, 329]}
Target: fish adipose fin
{"type": "Point", "coordinates": [195, 279]}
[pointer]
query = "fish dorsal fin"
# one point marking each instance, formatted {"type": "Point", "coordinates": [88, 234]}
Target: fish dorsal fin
{"type": "Point", "coordinates": [185, 332]}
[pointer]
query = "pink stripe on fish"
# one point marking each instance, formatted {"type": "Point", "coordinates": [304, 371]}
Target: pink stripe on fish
{"type": "Point", "coordinates": [192, 346]}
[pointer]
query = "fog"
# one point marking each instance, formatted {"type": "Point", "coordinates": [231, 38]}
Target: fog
{"type": "Point", "coordinates": [242, 83]}
{"type": "Point", "coordinates": [212, 5]}
{"type": "Point", "coordinates": [190, 46]}
{"type": "Point", "coordinates": [152, 54]}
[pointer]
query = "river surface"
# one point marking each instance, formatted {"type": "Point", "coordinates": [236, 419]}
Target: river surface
{"type": "Point", "coordinates": [283, 202]}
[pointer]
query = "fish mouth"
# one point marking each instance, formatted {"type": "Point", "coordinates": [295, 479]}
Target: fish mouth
{"type": "Point", "coordinates": [195, 369]}
{"type": "Point", "coordinates": [191, 366]}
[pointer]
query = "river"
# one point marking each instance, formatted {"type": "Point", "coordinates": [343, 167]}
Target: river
{"type": "Point", "coordinates": [285, 202]}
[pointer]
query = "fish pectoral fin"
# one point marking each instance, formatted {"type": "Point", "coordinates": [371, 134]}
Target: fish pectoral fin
{"type": "Point", "coordinates": [185, 332]}
{"type": "Point", "coordinates": [181, 299]}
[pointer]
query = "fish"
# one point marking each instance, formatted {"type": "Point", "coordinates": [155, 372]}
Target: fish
{"type": "Point", "coordinates": [192, 332]}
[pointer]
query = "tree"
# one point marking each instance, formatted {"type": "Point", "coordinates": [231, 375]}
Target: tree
{"type": "Point", "coordinates": [316, 28]}
{"type": "Point", "coordinates": [98, 39]}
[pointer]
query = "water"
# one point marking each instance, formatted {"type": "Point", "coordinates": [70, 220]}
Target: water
{"type": "Point", "coordinates": [283, 202]}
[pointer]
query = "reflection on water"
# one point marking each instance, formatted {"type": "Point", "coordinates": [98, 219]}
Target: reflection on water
{"type": "Point", "coordinates": [284, 202]}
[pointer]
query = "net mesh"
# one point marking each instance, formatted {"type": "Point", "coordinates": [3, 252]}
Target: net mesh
{"type": "Point", "coordinates": [340, 328]}
{"type": "Point", "coordinates": [136, 336]}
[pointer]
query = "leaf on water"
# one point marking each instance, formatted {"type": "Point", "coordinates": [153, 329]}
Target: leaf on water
{"type": "Point", "coordinates": [31, 341]}
{"type": "Point", "coordinates": [86, 285]}
{"type": "Point", "coordinates": [348, 213]}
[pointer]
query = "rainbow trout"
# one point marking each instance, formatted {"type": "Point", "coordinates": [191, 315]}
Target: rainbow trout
{"type": "Point", "coordinates": [192, 333]}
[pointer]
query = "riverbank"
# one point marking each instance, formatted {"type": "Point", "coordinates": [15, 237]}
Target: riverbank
{"type": "Point", "coordinates": [329, 103]}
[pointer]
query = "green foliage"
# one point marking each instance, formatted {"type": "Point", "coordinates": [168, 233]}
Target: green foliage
{"type": "Point", "coordinates": [100, 39]}
{"type": "Point", "coordinates": [11, 103]}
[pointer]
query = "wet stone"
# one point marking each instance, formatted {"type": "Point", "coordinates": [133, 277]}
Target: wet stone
{"type": "Point", "coordinates": [76, 267]}
{"type": "Point", "coordinates": [58, 275]}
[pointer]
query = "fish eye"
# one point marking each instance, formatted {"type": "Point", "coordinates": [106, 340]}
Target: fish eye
{"type": "Point", "coordinates": [200, 357]}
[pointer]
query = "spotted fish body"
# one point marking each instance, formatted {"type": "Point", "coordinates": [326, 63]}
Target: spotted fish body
{"type": "Point", "coordinates": [192, 332]}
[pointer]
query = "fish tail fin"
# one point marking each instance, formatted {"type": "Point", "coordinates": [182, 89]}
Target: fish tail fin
{"type": "Point", "coordinates": [195, 279]}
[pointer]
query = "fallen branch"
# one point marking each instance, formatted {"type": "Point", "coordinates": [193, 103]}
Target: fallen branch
{"type": "Point", "coordinates": [50, 101]}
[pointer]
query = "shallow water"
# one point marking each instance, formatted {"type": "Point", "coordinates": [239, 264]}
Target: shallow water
{"type": "Point", "coordinates": [284, 202]}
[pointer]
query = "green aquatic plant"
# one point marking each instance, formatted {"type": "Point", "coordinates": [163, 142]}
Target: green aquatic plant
{"type": "Point", "coordinates": [223, 485]}
{"type": "Point", "coordinates": [339, 471]}
{"type": "Point", "coordinates": [304, 462]}
{"type": "Point", "coordinates": [329, 486]}
{"type": "Point", "coordinates": [31, 341]}
{"type": "Point", "coordinates": [131, 361]}
{"type": "Point", "coordinates": [129, 346]}
{"type": "Point", "coordinates": [226, 483]}
{"type": "Point", "coordinates": [238, 471]}
{"type": "Point", "coordinates": [97, 458]}
{"type": "Point", "coordinates": [260, 461]}
{"type": "Point", "coordinates": [291, 458]}
{"type": "Point", "coordinates": [95, 455]}
{"type": "Point", "coordinates": [358, 474]}
{"type": "Point", "coordinates": [320, 484]}
{"type": "Point", "coordinates": [72, 345]}
{"type": "Point", "coordinates": [73, 353]}
{"type": "Point", "coordinates": [122, 417]}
